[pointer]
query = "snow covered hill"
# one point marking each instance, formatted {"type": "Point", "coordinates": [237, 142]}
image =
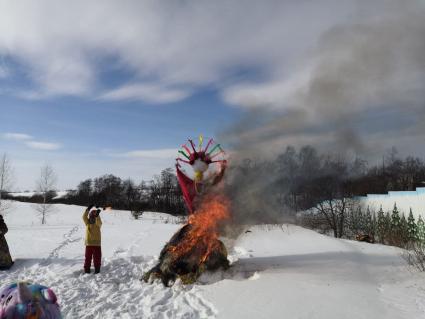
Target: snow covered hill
{"type": "Point", "coordinates": [277, 272]}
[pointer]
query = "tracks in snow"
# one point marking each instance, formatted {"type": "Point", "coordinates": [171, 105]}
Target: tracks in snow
{"type": "Point", "coordinates": [68, 239]}
{"type": "Point", "coordinates": [115, 293]}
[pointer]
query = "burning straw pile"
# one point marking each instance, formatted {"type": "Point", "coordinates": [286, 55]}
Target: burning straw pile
{"type": "Point", "coordinates": [196, 247]}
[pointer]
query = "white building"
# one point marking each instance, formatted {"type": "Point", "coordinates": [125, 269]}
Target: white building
{"type": "Point", "coordinates": [404, 200]}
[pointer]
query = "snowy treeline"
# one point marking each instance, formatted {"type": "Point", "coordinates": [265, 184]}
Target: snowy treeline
{"type": "Point", "coordinates": [263, 190]}
{"type": "Point", "coordinates": [386, 227]}
{"type": "Point", "coordinates": [160, 194]}
{"type": "Point", "coordinates": [405, 200]}
{"type": "Point", "coordinates": [307, 177]}
{"type": "Point", "coordinates": [301, 179]}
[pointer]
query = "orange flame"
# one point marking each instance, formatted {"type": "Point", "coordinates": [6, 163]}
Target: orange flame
{"type": "Point", "coordinates": [204, 231]}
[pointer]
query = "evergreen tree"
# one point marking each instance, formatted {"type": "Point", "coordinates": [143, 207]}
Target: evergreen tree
{"type": "Point", "coordinates": [368, 221]}
{"type": "Point", "coordinates": [412, 228]}
{"type": "Point", "coordinates": [387, 228]}
{"type": "Point", "coordinates": [360, 221]}
{"type": "Point", "coordinates": [381, 227]}
{"type": "Point", "coordinates": [420, 230]}
{"type": "Point", "coordinates": [355, 221]}
{"type": "Point", "coordinates": [374, 224]}
{"type": "Point", "coordinates": [396, 237]}
{"type": "Point", "coordinates": [395, 219]}
{"type": "Point", "coordinates": [404, 231]}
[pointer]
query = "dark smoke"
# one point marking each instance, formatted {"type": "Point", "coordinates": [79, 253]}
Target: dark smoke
{"type": "Point", "coordinates": [361, 77]}
{"type": "Point", "coordinates": [364, 92]}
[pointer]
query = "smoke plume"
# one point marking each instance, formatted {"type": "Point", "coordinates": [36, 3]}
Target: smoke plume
{"type": "Point", "coordinates": [359, 92]}
{"type": "Point", "coordinates": [363, 82]}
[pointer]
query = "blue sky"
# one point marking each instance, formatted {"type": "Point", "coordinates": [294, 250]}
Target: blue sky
{"type": "Point", "coordinates": [76, 133]}
{"type": "Point", "coordinates": [117, 86]}
{"type": "Point", "coordinates": [84, 125]}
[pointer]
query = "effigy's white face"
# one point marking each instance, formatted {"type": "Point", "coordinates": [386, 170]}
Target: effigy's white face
{"type": "Point", "coordinates": [199, 166]}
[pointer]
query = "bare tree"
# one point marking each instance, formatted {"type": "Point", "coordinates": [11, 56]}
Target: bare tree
{"type": "Point", "coordinates": [46, 184]}
{"type": "Point", "coordinates": [6, 180]}
{"type": "Point", "coordinates": [334, 213]}
{"type": "Point", "coordinates": [415, 257]}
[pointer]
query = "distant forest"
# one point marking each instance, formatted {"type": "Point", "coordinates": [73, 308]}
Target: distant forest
{"type": "Point", "coordinates": [161, 194]}
{"type": "Point", "coordinates": [296, 180]}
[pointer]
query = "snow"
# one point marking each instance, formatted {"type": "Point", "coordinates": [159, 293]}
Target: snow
{"type": "Point", "coordinates": [22, 194]}
{"type": "Point", "coordinates": [296, 273]}
{"type": "Point", "coordinates": [281, 271]}
{"type": "Point", "coordinates": [59, 194]}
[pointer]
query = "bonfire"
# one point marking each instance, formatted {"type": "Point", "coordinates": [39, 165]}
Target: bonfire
{"type": "Point", "coordinates": [196, 247]}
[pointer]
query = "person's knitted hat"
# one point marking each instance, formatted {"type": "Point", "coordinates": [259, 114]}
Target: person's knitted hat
{"type": "Point", "coordinates": [93, 213]}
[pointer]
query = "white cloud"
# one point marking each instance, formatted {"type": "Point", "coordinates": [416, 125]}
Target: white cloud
{"type": "Point", "coordinates": [145, 92]}
{"type": "Point", "coordinates": [31, 142]}
{"type": "Point", "coordinates": [43, 146]}
{"type": "Point", "coordinates": [167, 153]}
{"type": "Point", "coordinates": [17, 136]}
{"type": "Point", "coordinates": [175, 44]}
{"type": "Point", "coordinates": [4, 72]}
{"type": "Point", "coordinates": [31, 95]}
{"type": "Point", "coordinates": [277, 93]}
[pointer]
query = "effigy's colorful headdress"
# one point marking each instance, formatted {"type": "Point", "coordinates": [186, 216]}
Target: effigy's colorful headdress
{"type": "Point", "coordinates": [200, 158]}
